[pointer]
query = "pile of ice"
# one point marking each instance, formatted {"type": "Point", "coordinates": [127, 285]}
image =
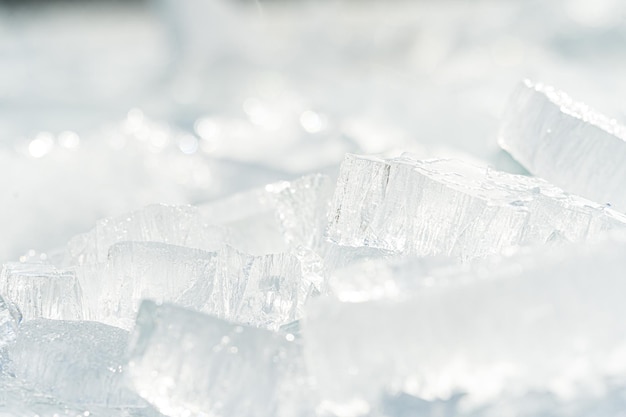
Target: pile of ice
{"type": "Point", "coordinates": [404, 287]}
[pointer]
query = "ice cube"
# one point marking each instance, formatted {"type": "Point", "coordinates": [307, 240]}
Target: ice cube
{"type": "Point", "coordinates": [566, 142]}
{"type": "Point", "coordinates": [176, 225]}
{"type": "Point", "coordinates": [543, 320]}
{"type": "Point", "coordinates": [78, 362]}
{"type": "Point", "coordinates": [452, 208]}
{"type": "Point", "coordinates": [42, 290]}
{"type": "Point", "coordinates": [187, 363]}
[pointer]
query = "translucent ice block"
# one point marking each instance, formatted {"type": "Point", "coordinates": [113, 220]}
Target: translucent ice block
{"type": "Point", "coordinates": [76, 361]}
{"type": "Point", "coordinates": [159, 271]}
{"type": "Point", "coordinates": [42, 290]}
{"type": "Point", "coordinates": [187, 363]}
{"type": "Point", "coordinates": [542, 321]}
{"type": "Point", "coordinates": [454, 208]}
{"type": "Point", "coordinates": [566, 142]}
{"type": "Point", "coordinates": [176, 225]}
{"type": "Point", "coordinates": [267, 291]}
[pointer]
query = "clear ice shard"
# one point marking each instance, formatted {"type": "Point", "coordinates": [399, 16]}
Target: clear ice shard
{"type": "Point", "coordinates": [77, 362]}
{"type": "Point", "coordinates": [543, 321]}
{"type": "Point", "coordinates": [452, 208]}
{"type": "Point", "coordinates": [187, 363]}
{"type": "Point", "coordinates": [266, 291]}
{"type": "Point", "coordinates": [10, 318]}
{"type": "Point", "coordinates": [42, 290]}
{"type": "Point", "coordinates": [566, 142]}
{"type": "Point", "coordinates": [176, 225]}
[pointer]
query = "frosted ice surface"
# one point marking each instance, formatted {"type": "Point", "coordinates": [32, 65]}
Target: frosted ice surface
{"type": "Point", "coordinates": [18, 398]}
{"type": "Point", "coordinates": [75, 361]}
{"type": "Point", "coordinates": [540, 321]}
{"type": "Point", "coordinates": [10, 318]}
{"type": "Point", "coordinates": [566, 142]}
{"type": "Point", "coordinates": [187, 363]}
{"type": "Point", "coordinates": [42, 290]}
{"type": "Point", "coordinates": [452, 208]}
{"type": "Point", "coordinates": [176, 225]}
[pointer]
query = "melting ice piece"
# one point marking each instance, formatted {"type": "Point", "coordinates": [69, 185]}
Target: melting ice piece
{"type": "Point", "coordinates": [76, 361]}
{"type": "Point", "coordinates": [266, 291]}
{"type": "Point", "coordinates": [566, 142]}
{"type": "Point", "coordinates": [540, 321]}
{"type": "Point", "coordinates": [187, 363]}
{"type": "Point", "coordinates": [42, 290]}
{"type": "Point", "coordinates": [453, 208]}
{"type": "Point", "coordinates": [276, 217]}
{"type": "Point", "coordinates": [177, 225]}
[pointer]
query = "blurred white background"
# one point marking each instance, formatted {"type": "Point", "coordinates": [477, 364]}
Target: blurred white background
{"type": "Point", "coordinates": [107, 106]}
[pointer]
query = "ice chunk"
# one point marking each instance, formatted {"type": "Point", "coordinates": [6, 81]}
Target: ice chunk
{"type": "Point", "coordinates": [540, 321]}
{"type": "Point", "coordinates": [42, 290]}
{"type": "Point", "coordinates": [137, 270]}
{"type": "Point", "coordinates": [176, 225]}
{"type": "Point", "coordinates": [266, 291]}
{"type": "Point", "coordinates": [10, 318]}
{"type": "Point", "coordinates": [566, 142]}
{"type": "Point", "coordinates": [76, 361]}
{"type": "Point", "coordinates": [187, 363]}
{"type": "Point", "coordinates": [452, 208]}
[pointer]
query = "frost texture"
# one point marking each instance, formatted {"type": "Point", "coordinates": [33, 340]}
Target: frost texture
{"type": "Point", "coordinates": [543, 321]}
{"type": "Point", "coordinates": [447, 207]}
{"type": "Point", "coordinates": [42, 291]}
{"type": "Point", "coordinates": [77, 362]}
{"type": "Point", "coordinates": [187, 363]}
{"type": "Point", "coordinates": [566, 142]}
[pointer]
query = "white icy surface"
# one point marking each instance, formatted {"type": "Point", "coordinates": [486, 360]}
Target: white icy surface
{"type": "Point", "coordinates": [566, 142]}
{"type": "Point", "coordinates": [187, 363]}
{"type": "Point", "coordinates": [77, 362]}
{"type": "Point", "coordinates": [541, 321]}
{"type": "Point", "coordinates": [452, 208]}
